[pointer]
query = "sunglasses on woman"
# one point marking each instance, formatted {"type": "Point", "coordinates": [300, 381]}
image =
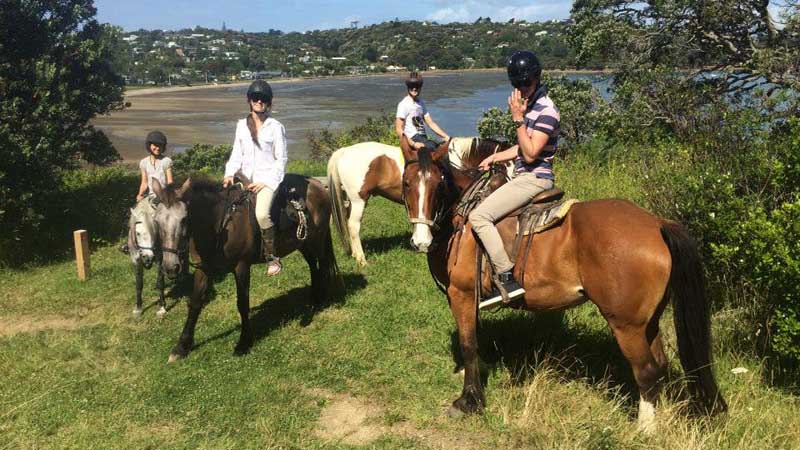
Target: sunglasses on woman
{"type": "Point", "coordinates": [259, 98]}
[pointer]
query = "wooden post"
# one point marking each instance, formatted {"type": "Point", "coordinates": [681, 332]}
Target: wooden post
{"type": "Point", "coordinates": [82, 253]}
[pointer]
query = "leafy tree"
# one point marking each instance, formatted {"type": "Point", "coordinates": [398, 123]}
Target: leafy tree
{"type": "Point", "coordinates": [56, 73]}
{"type": "Point", "coordinates": [370, 54]}
{"type": "Point", "coordinates": [712, 86]}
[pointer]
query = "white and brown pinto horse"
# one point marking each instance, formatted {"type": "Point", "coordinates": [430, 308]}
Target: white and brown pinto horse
{"type": "Point", "coordinates": [357, 172]}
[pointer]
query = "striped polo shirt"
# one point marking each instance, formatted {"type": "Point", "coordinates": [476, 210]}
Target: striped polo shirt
{"type": "Point", "coordinates": [542, 115]}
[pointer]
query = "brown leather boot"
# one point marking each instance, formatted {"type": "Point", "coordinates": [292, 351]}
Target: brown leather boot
{"type": "Point", "coordinates": [268, 250]}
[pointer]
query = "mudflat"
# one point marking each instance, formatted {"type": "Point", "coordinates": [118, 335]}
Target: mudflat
{"type": "Point", "coordinates": [208, 113]}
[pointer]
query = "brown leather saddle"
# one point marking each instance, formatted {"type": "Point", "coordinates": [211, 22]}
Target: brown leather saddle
{"type": "Point", "coordinates": [544, 211]}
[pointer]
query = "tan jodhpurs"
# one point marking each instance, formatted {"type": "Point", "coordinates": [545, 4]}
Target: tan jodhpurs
{"type": "Point", "coordinates": [263, 203]}
{"type": "Point", "coordinates": [504, 200]}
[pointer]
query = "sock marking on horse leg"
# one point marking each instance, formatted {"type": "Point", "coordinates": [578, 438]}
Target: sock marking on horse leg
{"type": "Point", "coordinates": [647, 416]}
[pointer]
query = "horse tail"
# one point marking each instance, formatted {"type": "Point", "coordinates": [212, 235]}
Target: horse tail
{"type": "Point", "coordinates": [331, 270]}
{"type": "Point", "coordinates": [337, 200]}
{"type": "Point", "coordinates": [692, 317]}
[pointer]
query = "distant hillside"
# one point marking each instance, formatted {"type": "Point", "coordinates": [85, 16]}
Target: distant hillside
{"type": "Point", "coordinates": [201, 54]}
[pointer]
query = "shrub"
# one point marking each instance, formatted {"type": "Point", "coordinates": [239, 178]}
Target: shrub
{"type": "Point", "coordinates": [93, 199]}
{"type": "Point", "coordinates": [323, 143]}
{"type": "Point", "coordinates": [581, 106]}
{"type": "Point", "coordinates": [209, 159]}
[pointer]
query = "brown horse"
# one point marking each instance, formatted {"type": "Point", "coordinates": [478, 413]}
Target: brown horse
{"type": "Point", "coordinates": [225, 238]}
{"type": "Point", "coordinates": [625, 260]}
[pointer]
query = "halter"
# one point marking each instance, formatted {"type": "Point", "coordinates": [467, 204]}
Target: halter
{"type": "Point", "coordinates": [136, 245]}
{"type": "Point", "coordinates": [440, 211]}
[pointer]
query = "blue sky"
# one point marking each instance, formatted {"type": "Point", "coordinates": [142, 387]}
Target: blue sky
{"type": "Point", "coordinates": [292, 15]}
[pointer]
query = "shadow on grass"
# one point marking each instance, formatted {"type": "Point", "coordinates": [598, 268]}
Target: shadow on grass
{"type": "Point", "coordinates": [383, 244]}
{"type": "Point", "coordinates": [297, 304]}
{"type": "Point", "coordinates": [521, 343]}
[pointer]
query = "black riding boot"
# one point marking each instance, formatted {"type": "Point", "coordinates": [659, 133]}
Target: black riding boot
{"type": "Point", "coordinates": [268, 250]}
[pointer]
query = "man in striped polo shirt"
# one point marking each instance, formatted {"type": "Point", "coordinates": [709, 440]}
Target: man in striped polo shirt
{"type": "Point", "coordinates": [537, 121]}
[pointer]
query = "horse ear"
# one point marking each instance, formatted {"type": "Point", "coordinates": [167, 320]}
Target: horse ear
{"type": "Point", "coordinates": [157, 189]}
{"type": "Point", "coordinates": [184, 188]}
{"type": "Point", "coordinates": [408, 153]}
{"type": "Point", "coordinates": [440, 151]}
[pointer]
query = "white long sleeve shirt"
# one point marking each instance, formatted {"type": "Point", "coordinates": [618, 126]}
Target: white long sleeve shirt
{"type": "Point", "coordinates": [265, 165]}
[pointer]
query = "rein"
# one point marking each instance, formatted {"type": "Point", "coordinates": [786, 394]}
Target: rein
{"type": "Point", "coordinates": [442, 210]}
{"type": "Point", "coordinates": [228, 211]}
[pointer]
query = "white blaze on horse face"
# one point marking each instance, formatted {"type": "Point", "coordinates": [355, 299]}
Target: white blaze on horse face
{"type": "Point", "coordinates": [422, 237]}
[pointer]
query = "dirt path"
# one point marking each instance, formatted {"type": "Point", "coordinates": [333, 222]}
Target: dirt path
{"type": "Point", "coordinates": [354, 421]}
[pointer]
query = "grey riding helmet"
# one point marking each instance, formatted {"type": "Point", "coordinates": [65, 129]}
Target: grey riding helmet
{"type": "Point", "coordinates": [155, 137]}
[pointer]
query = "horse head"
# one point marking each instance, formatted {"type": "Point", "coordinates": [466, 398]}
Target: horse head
{"type": "Point", "coordinates": [171, 220]}
{"type": "Point", "coordinates": [142, 233]}
{"type": "Point", "coordinates": [424, 178]}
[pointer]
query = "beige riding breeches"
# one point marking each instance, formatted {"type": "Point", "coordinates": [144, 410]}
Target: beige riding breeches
{"type": "Point", "coordinates": [510, 196]}
{"type": "Point", "coordinates": [263, 203]}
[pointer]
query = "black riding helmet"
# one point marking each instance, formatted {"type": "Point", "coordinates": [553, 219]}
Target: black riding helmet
{"type": "Point", "coordinates": [414, 80]}
{"type": "Point", "coordinates": [260, 89]}
{"type": "Point", "coordinates": [523, 67]}
{"type": "Point", "coordinates": [155, 137]}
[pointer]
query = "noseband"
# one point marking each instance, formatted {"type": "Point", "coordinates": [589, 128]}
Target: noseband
{"type": "Point", "coordinates": [440, 191]}
{"type": "Point", "coordinates": [136, 245]}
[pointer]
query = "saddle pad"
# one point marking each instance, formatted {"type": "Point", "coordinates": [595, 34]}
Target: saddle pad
{"type": "Point", "coordinates": [548, 218]}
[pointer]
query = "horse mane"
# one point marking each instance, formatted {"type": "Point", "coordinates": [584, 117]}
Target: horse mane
{"type": "Point", "coordinates": [425, 159]}
{"type": "Point", "coordinates": [203, 184]}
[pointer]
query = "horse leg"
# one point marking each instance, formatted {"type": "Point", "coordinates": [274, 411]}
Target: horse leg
{"type": "Point", "coordinates": [162, 310]}
{"type": "Point", "coordinates": [137, 311]}
{"type": "Point", "coordinates": [464, 310]}
{"type": "Point", "coordinates": [354, 226]}
{"type": "Point", "coordinates": [195, 306]}
{"type": "Point", "coordinates": [637, 343]}
{"type": "Point", "coordinates": [242, 274]}
{"type": "Point", "coordinates": [318, 287]}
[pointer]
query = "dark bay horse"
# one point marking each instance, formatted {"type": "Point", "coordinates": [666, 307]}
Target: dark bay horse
{"type": "Point", "coordinates": [625, 260]}
{"type": "Point", "coordinates": [225, 238]}
{"type": "Point", "coordinates": [358, 172]}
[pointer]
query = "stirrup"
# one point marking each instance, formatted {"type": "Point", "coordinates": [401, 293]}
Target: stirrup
{"type": "Point", "coordinates": [274, 267]}
{"type": "Point", "coordinates": [505, 291]}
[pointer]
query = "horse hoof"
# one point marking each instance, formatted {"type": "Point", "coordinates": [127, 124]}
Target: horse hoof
{"type": "Point", "coordinates": [173, 357]}
{"type": "Point", "coordinates": [161, 313]}
{"type": "Point", "coordinates": [455, 413]}
{"type": "Point", "coordinates": [137, 313]}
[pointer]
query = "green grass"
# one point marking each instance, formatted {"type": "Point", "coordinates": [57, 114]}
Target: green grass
{"type": "Point", "coordinates": [78, 372]}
